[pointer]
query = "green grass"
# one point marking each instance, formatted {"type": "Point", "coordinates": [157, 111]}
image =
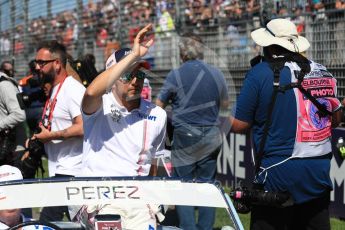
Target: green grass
{"type": "Point", "coordinates": [222, 219]}
{"type": "Point", "coordinates": [36, 211]}
{"type": "Point", "coordinates": [45, 167]}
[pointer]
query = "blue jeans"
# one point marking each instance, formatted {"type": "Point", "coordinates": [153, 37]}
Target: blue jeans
{"type": "Point", "coordinates": [203, 167]}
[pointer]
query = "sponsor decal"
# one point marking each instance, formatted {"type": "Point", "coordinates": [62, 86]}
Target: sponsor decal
{"type": "Point", "coordinates": [102, 192]}
{"type": "Point", "coordinates": [110, 63]}
{"type": "Point", "coordinates": [42, 227]}
{"type": "Point", "coordinates": [148, 117]}
{"type": "Point", "coordinates": [338, 179]}
{"type": "Point", "coordinates": [322, 92]}
{"type": "Point", "coordinates": [108, 225]}
{"type": "Point", "coordinates": [318, 121]}
{"type": "Point", "coordinates": [151, 118]}
{"type": "Point", "coordinates": [128, 52]}
{"type": "Point", "coordinates": [319, 87]}
{"type": "Point", "coordinates": [325, 73]}
{"type": "Point", "coordinates": [5, 174]}
{"type": "Point", "coordinates": [115, 113]}
{"type": "Point", "coordinates": [313, 136]}
{"type": "Point", "coordinates": [311, 74]}
{"type": "Point", "coordinates": [317, 82]}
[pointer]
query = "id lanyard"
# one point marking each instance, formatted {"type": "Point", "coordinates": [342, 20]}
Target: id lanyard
{"type": "Point", "coordinates": [50, 104]}
{"type": "Point", "coordinates": [143, 153]}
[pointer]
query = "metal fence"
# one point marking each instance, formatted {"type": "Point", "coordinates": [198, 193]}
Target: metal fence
{"type": "Point", "coordinates": [100, 26]}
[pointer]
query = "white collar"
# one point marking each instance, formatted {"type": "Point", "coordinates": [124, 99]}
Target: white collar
{"type": "Point", "coordinates": [110, 104]}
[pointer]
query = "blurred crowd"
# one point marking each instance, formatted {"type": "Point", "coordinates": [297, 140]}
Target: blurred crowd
{"type": "Point", "coordinates": [101, 19]}
{"type": "Point", "coordinates": [212, 13]}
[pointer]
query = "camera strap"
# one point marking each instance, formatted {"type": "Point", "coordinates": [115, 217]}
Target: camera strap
{"type": "Point", "coordinates": [143, 152]}
{"type": "Point", "coordinates": [321, 108]}
{"type": "Point", "coordinates": [276, 67]}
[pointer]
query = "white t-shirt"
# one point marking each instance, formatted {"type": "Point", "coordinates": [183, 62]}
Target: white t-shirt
{"type": "Point", "coordinates": [122, 143]}
{"type": "Point", "coordinates": [64, 156]}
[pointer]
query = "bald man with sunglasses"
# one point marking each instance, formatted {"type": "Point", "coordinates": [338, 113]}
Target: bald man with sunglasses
{"type": "Point", "coordinates": [61, 126]}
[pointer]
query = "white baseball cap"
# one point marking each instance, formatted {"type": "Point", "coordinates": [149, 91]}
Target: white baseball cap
{"type": "Point", "coordinates": [8, 172]}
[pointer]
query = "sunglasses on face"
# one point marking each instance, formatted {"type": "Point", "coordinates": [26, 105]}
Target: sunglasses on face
{"type": "Point", "coordinates": [127, 77]}
{"type": "Point", "coordinates": [42, 63]}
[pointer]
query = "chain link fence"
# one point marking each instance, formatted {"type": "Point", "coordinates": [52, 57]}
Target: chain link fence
{"type": "Point", "coordinates": [99, 27]}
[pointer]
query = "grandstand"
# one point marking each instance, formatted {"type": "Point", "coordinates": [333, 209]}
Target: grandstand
{"type": "Point", "coordinates": [97, 26]}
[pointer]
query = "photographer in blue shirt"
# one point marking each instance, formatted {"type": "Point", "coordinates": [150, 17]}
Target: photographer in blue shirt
{"type": "Point", "coordinates": [297, 149]}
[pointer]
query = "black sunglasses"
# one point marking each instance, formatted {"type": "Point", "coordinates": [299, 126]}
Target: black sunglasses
{"type": "Point", "coordinates": [42, 63]}
{"type": "Point", "coordinates": [127, 77]}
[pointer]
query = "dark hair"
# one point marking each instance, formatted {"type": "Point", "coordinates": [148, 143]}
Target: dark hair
{"type": "Point", "coordinates": [86, 68]}
{"type": "Point", "coordinates": [55, 47]}
{"type": "Point", "coordinates": [90, 58]}
{"type": "Point", "coordinates": [191, 47]}
{"type": "Point", "coordinates": [9, 72]}
{"type": "Point", "coordinates": [2, 66]}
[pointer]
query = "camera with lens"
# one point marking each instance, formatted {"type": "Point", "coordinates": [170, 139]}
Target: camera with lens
{"type": "Point", "coordinates": [36, 149]}
{"type": "Point", "coordinates": [244, 198]}
{"type": "Point", "coordinates": [34, 93]}
{"type": "Point", "coordinates": [33, 162]}
{"type": "Point", "coordinates": [30, 165]}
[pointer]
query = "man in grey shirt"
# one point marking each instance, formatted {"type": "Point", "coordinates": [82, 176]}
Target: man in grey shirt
{"type": "Point", "coordinates": [11, 115]}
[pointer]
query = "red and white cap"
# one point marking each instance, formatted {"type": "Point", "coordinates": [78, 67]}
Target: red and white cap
{"type": "Point", "coordinates": [115, 57]}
